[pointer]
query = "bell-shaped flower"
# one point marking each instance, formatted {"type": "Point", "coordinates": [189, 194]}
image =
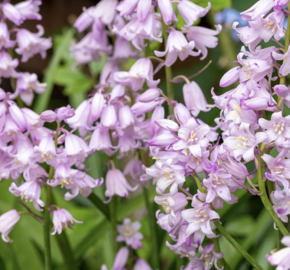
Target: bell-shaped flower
{"type": "Point", "coordinates": [199, 218]}
{"type": "Point", "coordinates": [281, 200]}
{"type": "Point", "coordinates": [29, 9]}
{"type": "Point", "coordinates": [260, 8]}
{"type": "Point", "coordinates": [120, 260]}
{"type": "Point", "coordinates": [75, 145]}
{"type": "Point", "coordinates": [5, 41]}
{"type": "Point", "coordinates": [167, 174]}
{"type": "Point", "coordinates": [140, 72]}
{"type": "Point", "coordinates": [194, 98]}
{"type": "Point", "coordinates": [177, 46]}
{"type": "Point", "coordinates": [277, 129]}
{"type": "Point", "coordinates": [126, 117]}
{"type": "Point", "coordinates": [64, 113]}
{"type": "Point", "coordinates": [204, 38]}
{"type": "Point", "coordinates": [81, 119]}
{"type": "Point", "coordinates": [141, 264]}
{"type": "Point", "coordinates": [7, 65]}
{"type": "Point", "coordinates": [191, 12]}
{"type": "Point", "coordinates": [278, 168]}
{"type": "Point", "coordinates": [167, 11]}
{"type": "Point", "coordinates": [116, 184]}
{"type": "Point", "coordinates": [127, 7]}
{"type": "Point", "coordinates": [281, 258]}
{"type": "Point", "coordinates": [18, 116]}
{"type": "Point", "coordinates": [285, 67]}
{"type": "Point", "coordinates": [129, 233]}
{"type": "Point", "coordinates": [218, 190]}
{"type": "Point", "coordinates": [109, 116]}
{"type": "Point", "coordinates": [181, 114]}
{"type": "Point", "coordinates": [101, 140]}
{"type": "Point", "coordinates": [45, 151]}
{"type": "Point", "coordinates": [30, 44]}
{"type": "Point", "coordinates": [172, 204]}
{"type": "Point", "coordinates": [279, 4]}
{"type": "Point", "coordinates": [7, 222]}
{"type": "Point", "coordinates": [26, 84]}
{"type": "Point", "coordinates": [192, 137]}
{"type": "Point", "coordinates": [85, 19]}
{"type": "Point", "coordinates": [30, 191]}
{"type": "Point", "coordinates": [105, 10]}
{"type": "Point", "coordinates": [12, 14]}
{"type": "Point", "coordinates": [242, 142]}
{"type": "Point", "coordinates": [123, 48]}
{"type": "Point", "coordinates": [61, 219]}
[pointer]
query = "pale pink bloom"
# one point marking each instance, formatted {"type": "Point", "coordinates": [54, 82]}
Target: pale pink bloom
{"type": "Point", "coordinates": [7, 222]}
{"type": "Point", "coordinates": [167, 11]}
{"type": "Point", "coordinates": [177, 47]}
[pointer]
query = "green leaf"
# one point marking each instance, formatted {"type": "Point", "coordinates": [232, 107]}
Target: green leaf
{"type": "Point", "coordinates": [43, 100]}
{"type": "Point", "coordinates": [241, 226]}
{"type": "Point", "coordinates": [94, 199]}
{"type": "Point", "coordinates": [215, 4]}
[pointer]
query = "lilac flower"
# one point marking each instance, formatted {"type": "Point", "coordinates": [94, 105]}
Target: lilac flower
{"type": "Point", "coordinates": [260, 8]}
{"type": "Point", "coordinates": [128, 232]}
{"type": "Point", "coordinates": [284, 69]}
{"type": "Point", "coordinates": [120, 260]}
{"type": "Point", "coordinates": [194, 98]}
{"type": "Point", "coordinates": [192, 137]}
{"type": "Point", "coordinates": [279, 4]}
{"type": "Point", "coordinates": [7, 65]}
{"type": "Point", "coordinates": [177, 46]}
{"type": "Point", "coordinates": [85, 19]}
{"type": "Point", "coordinates": [5, 41]}
{"type": "Point", "coordinates": [142, 265]}
{"type": "Point", "coordinates": [74, 146]}
{"type": "Point", "coordinates": [255, 69]}
{"type": "Point", "coordinates": [217, 188]}
{"type": "Point", "coordinates": [143, 9]}
{"type": "Point", "coordinates": [167, 11]}
{"type": "Point", "coordinates": [191, 12]}
{"type": "Point", "coordinates": [123, 48]}
{"type": "Point", "coordinates": [281, 258]}
{"type": "Point", "coordinates": [172, 204]}
{"type": "Point", "coordinates": [281, 200]}
{"type": "Point", "coordinates": [279, 168]}
{"type": "Point", "coordinates": [127, 7]}
{"type": "Point", "coordinates": [101, 140]}
{"type": "Point", "coordinates": [61, 219]}
{"type": "Point", "coordinates": [64, 113]}
{"type": "Point", "coordinates": [109, 116]}
{"type": "Point", "coordinates": [141, 71]}
{"type": "Point", "coordinates": [203, 38]}
{"type": "Point", "coordinates": [30, 191]}
{"type": "Point", "coordinates": [46, 151]}
{"type": "Point", "coordinates": [149, 95]}
{"type": "Point", "coordinates": [242, 142]}
{"type": "Point", "coordinates": [7, 222]}
{"type": "Point", "coordinates": [30, 44]}
{"type": "Point", "coordinates": [116, 184]}
{"type": "Point", "coordinates": [12, 14]}
{"type": "Point", "coordinates": [167, 174]}
{"type": "Point", "coordinates": [134, 169]}
{"type": "Point", "coordinates": [105, 10]}
{"type": "Point", "coordinates": [26, 84]}
{"type": "Point", "coordinates": [29, 9]}
{"type": "Point", "coordinates": [181, 114]}
{"type": "Point", "coordinates": [126, 117]}
{"type": "Point", "coordinates": [199, 218]}
{"type": "Point", "coordinates": [277, 129]}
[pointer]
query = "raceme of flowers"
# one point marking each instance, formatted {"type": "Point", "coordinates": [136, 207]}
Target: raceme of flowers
{"type": "Point", "coordinates": [125, 118]}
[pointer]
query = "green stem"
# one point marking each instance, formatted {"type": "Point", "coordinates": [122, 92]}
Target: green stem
{"type": "Point", "coordinates": [168, 73]}
{"type": "Point", "coordinates": [221, 262]}
{"type": "Point", "coordinates": [152, 225]}
{"type": "Point", "coordinates": [198, 183]}
{"type": "Point", "coordinates": [47, 221]}
{"type": "Point", "coordinates": [100, 205]}
{"type": "Point", "coordinates": [266, 202]}
{"type": "Point", "coordinates": [245, 254]}
{"type": "Point", "coordinates": [113, 218]}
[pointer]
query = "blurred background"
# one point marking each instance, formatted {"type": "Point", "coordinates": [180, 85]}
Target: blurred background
{"type": "Point", "coordinates": [91, 241]}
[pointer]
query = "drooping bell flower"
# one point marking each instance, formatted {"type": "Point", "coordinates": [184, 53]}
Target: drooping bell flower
{"type": "Point", "coordinates": [7, 222]}
{"type": "Point", "coordinates": [30, 44]}
{"type": "Point", "coordinates": [61, 219]}
{"type": "Point", "coordinates": [177, 47]}
{"type": "Point", "coordinates": [5, 41]}
{"type": "Point", "coordinates": [167, 11]}
{"type": "Point", "coordinates": [29, 9]}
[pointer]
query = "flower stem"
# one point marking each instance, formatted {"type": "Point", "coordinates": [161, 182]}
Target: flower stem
{"type": "Point", "coordinates": [113, 218]}
{"type": "Point", "coordinates": [152, 225]}
{"type": "Point", "coordinates": [168, 73]}
{"type": "Point", "coordinates": [221, 262]}
{"type": "Point", "coordinates": [266, 202]}
{"type": "Point", "coordinates": [245, 254]}
{"type": "Point", "coordinates": [47, 221]}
